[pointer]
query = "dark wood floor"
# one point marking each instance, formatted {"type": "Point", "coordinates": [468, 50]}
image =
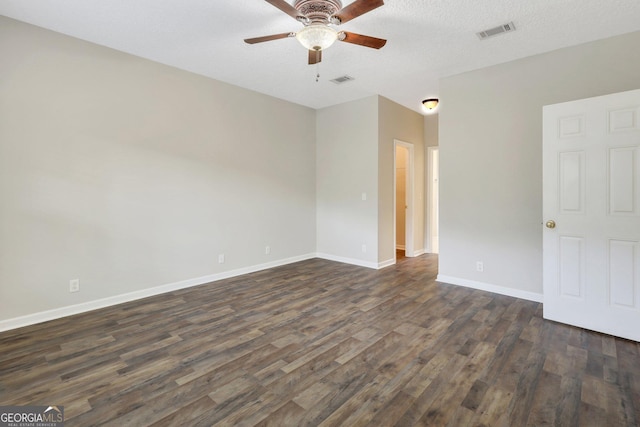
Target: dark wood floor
{"type": "Point", "coordinates": [323, 343]}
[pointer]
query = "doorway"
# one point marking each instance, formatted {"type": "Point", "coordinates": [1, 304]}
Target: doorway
{"type": "Point", "coordinates": [403, 197]}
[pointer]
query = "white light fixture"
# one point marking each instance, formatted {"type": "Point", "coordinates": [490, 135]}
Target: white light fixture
{"type": "Point", "coordinates": [317, 36]}
{"type": "Point", "coordinates": [430, 103]}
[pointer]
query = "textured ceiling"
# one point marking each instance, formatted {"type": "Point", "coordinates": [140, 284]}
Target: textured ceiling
{"type": "Point", "coordinates": [427, 40]}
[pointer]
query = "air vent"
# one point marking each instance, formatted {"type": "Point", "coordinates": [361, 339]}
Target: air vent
{"type": "Point", "coordinates": [501, 29]}
{"type": "Point", "coordinates": [343, 79]}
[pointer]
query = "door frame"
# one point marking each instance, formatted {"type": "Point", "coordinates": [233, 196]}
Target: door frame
{"type": "Point", "coordinates": [432, 200]}
{"type": "Point", "coordinates": [409, 219]}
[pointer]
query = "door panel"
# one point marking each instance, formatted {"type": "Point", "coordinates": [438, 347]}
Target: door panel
{"type": "Point", "coordinates": [571, 183]}
{"type": "Point", "coordinates": [622, 170]}
{"type": "Point", "coordinates": [571, 261]}
{"type": "Point", "coordinates": [624, 120]}
{"type": "Point", "coordinates": [622, 281]}
{"type": "Point", "coordinates": [591, 189]}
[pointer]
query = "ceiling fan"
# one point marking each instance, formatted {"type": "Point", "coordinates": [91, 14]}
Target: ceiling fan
{"type": "Point", "coordinates": [319, 17]}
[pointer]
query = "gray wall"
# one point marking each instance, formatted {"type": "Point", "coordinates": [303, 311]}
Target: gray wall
{"type": "Point", "coordinates": [347, 166]}
{"type": "Point", "coordinates": [132, 176]}
{"type": "Point", "coordinates": [490, 133]}
{"type": "Point", "coordinates": [127, 174]}
{"type": "Point", "coordinates": [355, 155]}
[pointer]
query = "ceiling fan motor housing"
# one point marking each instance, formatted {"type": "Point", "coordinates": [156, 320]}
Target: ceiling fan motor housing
{"type": "Point", "coordinates": [318, 11]}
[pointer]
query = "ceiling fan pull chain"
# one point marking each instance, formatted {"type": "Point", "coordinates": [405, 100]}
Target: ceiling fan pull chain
{"type": "Point", "coordinates": [317, 72]}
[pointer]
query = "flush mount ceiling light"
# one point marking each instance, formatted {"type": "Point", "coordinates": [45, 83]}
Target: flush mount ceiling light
{"type": "Point", "coordinates": [430, 103]}
{"type": "Point", "coordinates": [317, 36]}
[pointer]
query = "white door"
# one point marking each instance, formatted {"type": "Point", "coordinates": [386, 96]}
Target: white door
{"type": "Point", "coordinates": [591, 187]}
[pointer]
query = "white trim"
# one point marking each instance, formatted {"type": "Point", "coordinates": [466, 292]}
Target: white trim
{"type": "Point", "coordinates": [516, 293]}
{"type": "Point", "coordinates": [358, 262]}
{"type": "Point", "coordinates": [419, 252]}
{"type": "Point", "coordinates": [415, 253]}
{"type": "Point", "coordinates": [58, 313]}
{"type": "Point", "coordinates": [352, 261]}
{"type": "Point", "coordinates": [386, 263]}
{"type": "Point", "coordinates": [431, 202]}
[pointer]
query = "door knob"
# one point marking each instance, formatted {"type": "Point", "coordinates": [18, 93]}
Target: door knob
{"type": "Point", "coordinates": [551, 224]}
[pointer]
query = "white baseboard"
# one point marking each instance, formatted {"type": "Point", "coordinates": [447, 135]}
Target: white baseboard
{"type": "Point", "coordinates": [418, 252]}
{"type": "Point", "coordinates": [58, 313]}
{"type": "Point", "coordinates": [516, 293]}
{"type": "Point", "coordinates": [345, 260]}
{"type": "Point", "coordinates": [358, 262]}
{"type": "Point", "coordinates": [386, 263]}
{"type": "Point", "coordinates": [413, 254]}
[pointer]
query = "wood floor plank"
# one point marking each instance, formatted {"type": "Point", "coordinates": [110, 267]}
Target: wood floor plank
{"type": "Point", "coordinates": [420, 406]}
{"type": "Point", "coordinates": [323, 343]}
{"type": "Point", "coordinates": [458, 387]}
{"type": "Point", "coordinates": [568, 405]}
{"type": "Point", "coordinates": [493, 410]}
{"type": "Point", "coordinates": [186, 414]}
{"type": "Point", "coordinates": [543, 411]}
{"type": "Point", "coordinates": [521, 403]}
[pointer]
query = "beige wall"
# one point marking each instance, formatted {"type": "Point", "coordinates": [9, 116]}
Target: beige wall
{"type": "Point", "coordinates": [127, 174]}
{"type": "Point", "coordinates": [398, 123]}
{"type": "Point", "coordinates": [490, 130]}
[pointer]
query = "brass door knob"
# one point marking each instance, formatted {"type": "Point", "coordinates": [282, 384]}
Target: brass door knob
{"type": "Point", "coordinates": [551, 224]}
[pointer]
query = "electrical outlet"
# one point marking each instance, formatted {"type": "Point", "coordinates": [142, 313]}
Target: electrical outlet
{"type": "Point", "coordinates": [221, 259]}
{"type": "Point", "coordinates": [479, 266]}
{"type": "Point", "coordinates": [267, 250]}
{"type": "Point", "coordinates": [364, 248]}
{"type": "Point", "coordinates": [74, 285]}
{"type": "Point", "coordinates": [364, 196]}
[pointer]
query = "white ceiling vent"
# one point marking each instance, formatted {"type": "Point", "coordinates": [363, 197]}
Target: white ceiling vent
{"type": "Point", "coordinates": [343, 79]}
{"type": "Point", "coordinates": [500, 29]}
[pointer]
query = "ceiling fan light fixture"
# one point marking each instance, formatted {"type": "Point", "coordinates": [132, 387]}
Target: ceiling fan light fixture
{"type": "Point", "coordinates": [317, 36]}
{"type": "Point", "coordinates": [430, 103]}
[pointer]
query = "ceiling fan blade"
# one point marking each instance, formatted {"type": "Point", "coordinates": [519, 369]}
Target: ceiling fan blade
{"type": "Point", "coordinates": [361, 40]}
{"type": "Point", "coordinates": [286, 8]}
{"type": "Point", "coordinates": [315, 56]}
{"type": "Point", "coordinates": [357, 8]}
{"type": "Point", "coordinates": [268, 38]}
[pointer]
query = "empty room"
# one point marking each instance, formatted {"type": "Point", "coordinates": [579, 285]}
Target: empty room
{"type": "Point", "coordinates": [320, 213]}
